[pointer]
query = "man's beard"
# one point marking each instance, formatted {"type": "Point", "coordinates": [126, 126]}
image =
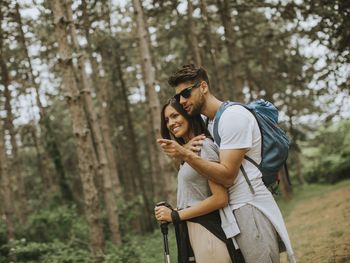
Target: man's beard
{"type": "Point", "coordinates": [197, 108]}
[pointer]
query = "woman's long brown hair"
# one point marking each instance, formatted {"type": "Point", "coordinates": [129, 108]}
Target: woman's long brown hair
{"type": "Point", "coordinates": [196, 123]}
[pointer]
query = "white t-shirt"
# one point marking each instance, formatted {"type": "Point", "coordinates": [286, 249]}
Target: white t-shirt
{"type": "Point", "coordinates": [239, 129]}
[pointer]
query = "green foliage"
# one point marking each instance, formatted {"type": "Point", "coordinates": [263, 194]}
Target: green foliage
{"type": "Point", "coordinates": [54, 234]}
{"type": "Point", "coordinates": [125, 253]}
{"type": "Point", "coordinates": [328, 158]}
{"type": "Point", "coordinates": [135, 249]}
{"type": "Point", "coordinates": [54, 223]}
{"type": "Point", "coordinates": [149, 248]}
{"type": "Point", "coordinates": [54, 252]}
{"type": "Point", "coordinates": [4, 250]}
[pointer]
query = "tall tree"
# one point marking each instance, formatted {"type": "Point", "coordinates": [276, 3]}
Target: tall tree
{"type": "Point", "coordinates": [6, 190]}
{"type": "Point", "coordinates": [158, 161]}
{"type": "Point", "coordinates": [233, 50]}
{"type": "Point", "coordinates": [134, 179]}
{"type": "Point", "coordinates": [212, 50]}
{"type": "Point", "coordinates": [17, 176]}
{"type": "Point", "coordinates": [81, 131]}
{"type": "Point", "coordinates": [193, 41]}
{"type": "Point", "coordinates": [103, 166]}
{"type": "Point", "coordinates": [44, 122]}
{"type": "Point", "coordinates": [102, 96]}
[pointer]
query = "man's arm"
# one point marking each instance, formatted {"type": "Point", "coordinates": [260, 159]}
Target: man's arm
{"type": "Point", "coordinates": [223, 173]}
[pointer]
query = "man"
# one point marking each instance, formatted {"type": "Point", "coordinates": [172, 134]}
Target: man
{"type": "Point", "coordinates": [259, 220]}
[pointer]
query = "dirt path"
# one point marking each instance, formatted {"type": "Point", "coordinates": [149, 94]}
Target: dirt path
{"type": "Point", "coordinates": [319, 228]}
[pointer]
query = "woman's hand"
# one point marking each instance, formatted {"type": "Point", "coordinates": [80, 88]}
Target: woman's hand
{"type": "Point", "coordinates": [163, 213]}
{"type": "Point", "coordinates": [173, 149]}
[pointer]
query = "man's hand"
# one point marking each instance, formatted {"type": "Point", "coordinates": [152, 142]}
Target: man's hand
{"type": "Point", "coordinates": [173, 149]}
{"type": "Point", "coordinates": [195, 144]}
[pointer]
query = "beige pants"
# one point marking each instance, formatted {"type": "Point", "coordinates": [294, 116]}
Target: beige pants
{"type": "Point", "coordinates": [207, 248]}
{"type": "Point", "coordinates": [258, 239]}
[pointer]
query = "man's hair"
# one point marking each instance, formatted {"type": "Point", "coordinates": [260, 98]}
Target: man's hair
{"type": "Point", "coordinates": [188, 73]}
{"type": "Point", "coordinates": [196, 123]}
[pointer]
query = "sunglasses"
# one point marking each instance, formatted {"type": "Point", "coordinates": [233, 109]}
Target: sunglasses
{"type": "Point", "coordinates": [185, 93]}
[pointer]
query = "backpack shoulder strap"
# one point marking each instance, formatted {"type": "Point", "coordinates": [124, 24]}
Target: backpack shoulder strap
{"type": "Point", "coordinates": [217, 138]}
{"type": "Point", "coordinates": [217, 117]}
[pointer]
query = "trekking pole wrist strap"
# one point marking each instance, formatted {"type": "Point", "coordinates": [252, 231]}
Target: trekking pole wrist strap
{"type": "Point", "coordinates": [175, 217]}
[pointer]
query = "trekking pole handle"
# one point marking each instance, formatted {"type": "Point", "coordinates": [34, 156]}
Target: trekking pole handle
{"type": "Point", "coordinates": [163, 203]}
{"type": "Point", "coordinates": [164, 224]}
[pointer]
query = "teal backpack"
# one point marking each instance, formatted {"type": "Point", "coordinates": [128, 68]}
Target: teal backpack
{"type": "Point", "coordinates": [274, 141]}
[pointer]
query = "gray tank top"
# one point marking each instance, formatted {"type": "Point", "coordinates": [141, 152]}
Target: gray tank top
{"type": "Point", "coordinates": [191, 186]}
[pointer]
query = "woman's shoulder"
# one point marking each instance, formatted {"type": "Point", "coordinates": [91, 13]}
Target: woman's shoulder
{"type": "Point", "coordinates": [208, 142]}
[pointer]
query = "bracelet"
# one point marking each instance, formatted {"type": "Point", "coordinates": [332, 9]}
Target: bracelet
{"type": "Point", "coordinates": [175, 217]}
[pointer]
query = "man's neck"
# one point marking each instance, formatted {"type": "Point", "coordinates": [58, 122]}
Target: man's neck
{"type": "Point", "coordinates": [211, 106]}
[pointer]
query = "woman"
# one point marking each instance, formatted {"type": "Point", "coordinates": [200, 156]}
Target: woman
{"type": "Point", "coordinates": [198, 200]}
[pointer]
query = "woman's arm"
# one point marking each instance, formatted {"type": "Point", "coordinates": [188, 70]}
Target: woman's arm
{"type": "Point", "coordinates": [217, 200]}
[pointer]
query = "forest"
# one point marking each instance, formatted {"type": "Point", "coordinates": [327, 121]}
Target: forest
{"type": "Point", "coordinates": [81, 87]}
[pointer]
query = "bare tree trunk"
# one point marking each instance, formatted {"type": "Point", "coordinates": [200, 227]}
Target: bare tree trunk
{"type": "Point", "coordinates": [284, 185]}
{"type": "Point", "coordinates": [295, 149]}
{"type": "Point", "coordinates": [85, 150]}
{"type": "Point", "coordinates": [234, 52]}
{"type": "Point", "coordinates": [5, 191]}
{"type": "Point", "coordinates": [53, 151]}
{"type": "Point", "coordinates": [18, 181]}
{"type": "Point", "coordinates": [119, 111]}
{"type": "Point", "coordinates": [103, 105]}
{"type": "Point", "coordinates": [132, 174]}
{"type": "Point", "coordinates": [104, 171]}
{"type": "Point", "coordinates": [136, 166]}
{"type": "Point", "coordinates": [44, 127]}
{"type": "Point", "coordinates": [164, 190]}
{"type": "Point", "coordinates": [32, 78]}
{"type": "Point", "coordinates": [218, 86]}
{"type": "Point", "coordinates": [192, 35]}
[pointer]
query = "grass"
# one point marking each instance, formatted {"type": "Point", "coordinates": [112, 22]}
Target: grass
{"type": "Point", "coordinates": [306, 192]}
{"type": "Point", "coordinates": [318, 222]}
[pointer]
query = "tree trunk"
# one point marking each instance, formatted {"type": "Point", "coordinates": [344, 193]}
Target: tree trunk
{"type": "Point", "coordinates": [233, 50]}
{"type": "Point", "coordinates": [85, 150]}
{"type": "Point", "coordinates": [17, 182]}
{"type": "Point", "coordinates": [5, 191]}
{"type": "Point", "coordinates": [158, 161]}
{"type": "Point", "coordinates": [103, 106]}
{"type": "Point", "coordinates": [284, 185]}
{"type": "Point", "coordinates": [44, 123]}
{"type": "Point", "coordinates": [135, 165]}
{"type": "Point", "coordinates": [192, 35]}
{"type": "Point", "coordinates": [294, 147]}
{"type": "Point", "coordinates": [32, 79]}
{"type": "Point", "coordinates": [132, 175]}
{"type": "Point", "coordinates": [103, 166]}
{"type": "Point", "coordinates": [212, 50]}
{"type": "Point", "coordinates": [52, 149]}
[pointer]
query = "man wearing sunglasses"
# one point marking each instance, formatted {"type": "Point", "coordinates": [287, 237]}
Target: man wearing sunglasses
{"type": "Point", "coordinates": [255, 214]}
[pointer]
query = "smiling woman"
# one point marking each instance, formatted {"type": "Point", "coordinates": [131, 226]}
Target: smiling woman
{"type": "Point", "coordinates": [196, 219]}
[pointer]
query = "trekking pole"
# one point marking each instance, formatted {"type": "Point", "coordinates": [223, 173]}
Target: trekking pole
{"type": "Point", "coordinates": [164, 230]}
